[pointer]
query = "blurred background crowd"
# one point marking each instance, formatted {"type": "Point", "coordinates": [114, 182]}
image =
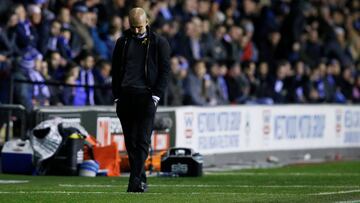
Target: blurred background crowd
{"type": "Point", "coordinates": [223, 51]}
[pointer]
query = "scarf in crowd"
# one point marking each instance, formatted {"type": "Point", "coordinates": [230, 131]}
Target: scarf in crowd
{"type": "Point", "coordinates": [40, 90]}
{"type": "Point", "coordinates": [27, 62]}
{"type": "Point", "coordinates": [85, 95]}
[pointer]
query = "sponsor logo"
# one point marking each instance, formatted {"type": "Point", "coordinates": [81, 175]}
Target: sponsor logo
{"type": "Point", "coordinates": [338, 117]}
{"type": "Point", "coordinates": [189, 120]}
{"type": "Point", "coordinates": [292, 127]}
{"type": "Point", "coordinates": [179, 168]}
{"type": "Point", "coordinates": [266, 116]}
{"type": "Point", "coordinates": [352, 127]}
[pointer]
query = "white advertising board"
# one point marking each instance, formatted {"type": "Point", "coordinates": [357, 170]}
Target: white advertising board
{"type": "Point", "coordinates": [211, 130]}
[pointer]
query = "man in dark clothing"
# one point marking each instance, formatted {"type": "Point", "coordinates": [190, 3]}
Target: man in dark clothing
{"type": "Point", "coordinates": [140, 71]}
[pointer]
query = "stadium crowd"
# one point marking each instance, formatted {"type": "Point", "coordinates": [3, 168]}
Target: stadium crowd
{"type": "Point", "coordinates": [223, 51]}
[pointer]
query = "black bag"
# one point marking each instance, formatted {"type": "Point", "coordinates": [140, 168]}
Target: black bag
{"type": "Point", "coordinates": [182, 162]}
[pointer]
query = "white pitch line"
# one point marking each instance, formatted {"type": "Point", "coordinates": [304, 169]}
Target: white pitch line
{"type": "Point", "coordinates": [59, 192]}
{"type": "Point", "coordinates": [148, 193]}
{"type": "Point", "coordinates": [337, 192]}
{"type": "Point", "coordinates": [91, 186]}
{"type": "Point", "coordinates": [280, 174]}
{"type": "Point", "coordinates": [262, 186]}
{"type": "Point", "coordinates": [13, 181]}
{"type": "Point", "coordinates": [350, 201]}
{"type": "Point", "coordinates": [218, 186]}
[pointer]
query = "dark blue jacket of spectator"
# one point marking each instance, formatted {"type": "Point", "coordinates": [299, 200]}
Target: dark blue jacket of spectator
{"type": "Point", "coordinates": [42, 32]}
{"type": "Point", "coordinates": [99, 45]}
{"type": "Point", "coordinates": [25, 35]}
{"type": "Point", "coordinates": [64, 48]}
{"type": "Point", "coordinates": [291, 29]}
{"type": "Point", "coordinates": [103, 94]}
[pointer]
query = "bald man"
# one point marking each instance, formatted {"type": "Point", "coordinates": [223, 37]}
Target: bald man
{"type": "Point", "coordinates": [140, 71]}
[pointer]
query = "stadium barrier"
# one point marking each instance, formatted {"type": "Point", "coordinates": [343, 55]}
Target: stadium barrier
{"type": "Point", "coordinates": [232, 129]}
{"type": "Point", "coordinates": [233, 134]}
{"type": "Point", "coordinates": [102, 122]}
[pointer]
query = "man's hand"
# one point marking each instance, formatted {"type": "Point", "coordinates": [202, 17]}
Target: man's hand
{"type": "Point", "coordinates": [155, 99]}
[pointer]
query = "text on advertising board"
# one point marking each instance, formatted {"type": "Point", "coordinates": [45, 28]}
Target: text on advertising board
{"type": "Point", "coordinates": [299, 127]}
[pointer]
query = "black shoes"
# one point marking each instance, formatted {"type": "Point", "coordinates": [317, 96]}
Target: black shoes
{"type": "Point", "coordinates": [137, 186]}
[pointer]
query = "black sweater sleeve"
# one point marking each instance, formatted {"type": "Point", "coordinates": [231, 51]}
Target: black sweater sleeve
{"type": "Point", "coordinates": [116, 68]}
{"type": "Point", "coordinates": [163, 67]}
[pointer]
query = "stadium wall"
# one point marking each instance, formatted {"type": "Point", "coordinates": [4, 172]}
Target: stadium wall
{"type": "Point", "coordinates": [229, 134]}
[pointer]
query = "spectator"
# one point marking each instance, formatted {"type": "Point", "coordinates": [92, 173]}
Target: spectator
{"type": "Point", "coordinates": [269, 49]}
{"type": "Point", "coordinates": [188, 9]}
{"type": "Point", "coordinates": [356, 90]}
{"type": "Point", "coordinates": [299, 86]}
{"type": "Point", "coordinates": [346, 83]}
{"type": "Point", "coordinates": [25, 33]}
{"type": "Point", "coordinates": [30, 62]}
{"type": "Point", "coordinates": [194, 46]}
{"type": "Point", "coordinates": [332, 81]}
{"type": "Point", "coordinates": [56, 65]}
{"type": "Point", "coordinates": [238, 86]}
{"type": "Point", "coordinates": [291, 27]}
{"type": "Point", "coordinates": [10, 34]}
{"type": "Point", "coordinates": [103, 95]}
{"type": "Point", "coordinates": [320, 39]}
{"type": "Point", "coordinates": [179, 71]}
{"type": "Point", "coordinates": [313, 48]}
{"type": "Point", "coordinates": [52, 41]}
{"type": "Point", "coordinates": [64, 45]}
{"type": "Point", "coordinates": [53, 89]}
{"type": "Point", "coordinates": [199, 89]}
{"type": "Point", "coordinates": [85, 95]}
{"type": "Point", "coordinates": [116, 8]}
{"type": "Point", "coordinates": [79, 21]}
{"type": "Point", "coordinates": [217, 73]}
{"type": "Point", "coordinates": [218, 50]}
{"type": "Point", "coordinates": [64, 18]}
{"type": "Point", "coordinates": [279, 85]}
{"type": "Point", "coordinates": [69, 93]}
{"type": "Point", "coordinates": [232, 43]}
{"type": "Point", "coordinates": [204, 8]}
{"type": "Point", "coordinates": [264, 90]}
{"type": "Point", "coordinates": [40, 27]}
{"type": "Point", "coordinates": [100, 49]}
{"type": "Point", "coordinates": [249, 50]}
{"type": "Point", "coordinates": [22, 91]}
{"type": "Point", "coordinates": [314, 96]}
{"type": "Point", "coordinates": [164, 13]}
{"type": "Point", "coordinates": [115, 32]}
{"type": "Point", "coordinates": [5, 66]}
{"type": "Point", "coordinates": [249, 70]}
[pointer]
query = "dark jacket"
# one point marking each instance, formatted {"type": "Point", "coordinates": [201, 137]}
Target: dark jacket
{"type": "Point", "coordinates": [157, 65]}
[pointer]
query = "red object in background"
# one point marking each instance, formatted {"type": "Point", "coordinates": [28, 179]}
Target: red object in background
{"type": "Point", "coordinates": [247, 52]}
{"type": "Point", "coordinates": [108, 158]}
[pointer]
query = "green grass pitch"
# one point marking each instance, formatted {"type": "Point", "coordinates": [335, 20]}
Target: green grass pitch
{"type": "Point", "coordinates": [326, 182]}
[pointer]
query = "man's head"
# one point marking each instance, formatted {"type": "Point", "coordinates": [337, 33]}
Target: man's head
{"type": "Point", "coordinates": [138, 21]}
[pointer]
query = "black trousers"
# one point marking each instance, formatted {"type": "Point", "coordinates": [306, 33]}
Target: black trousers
{"type": "Point", "coordinates": [136, 112]}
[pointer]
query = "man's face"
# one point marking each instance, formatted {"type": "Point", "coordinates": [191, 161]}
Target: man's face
{"type": "Point", "coordinates": [88, 62]}
{"type": "Point", "coordinates": [138, 25]}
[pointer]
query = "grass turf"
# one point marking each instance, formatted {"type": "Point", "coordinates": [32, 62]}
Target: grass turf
{"type": "Point", "coordinates": [326, 182]}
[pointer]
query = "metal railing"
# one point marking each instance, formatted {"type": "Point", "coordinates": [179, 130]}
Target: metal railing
{"type": "Point", "coordinates": [61, 84]}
